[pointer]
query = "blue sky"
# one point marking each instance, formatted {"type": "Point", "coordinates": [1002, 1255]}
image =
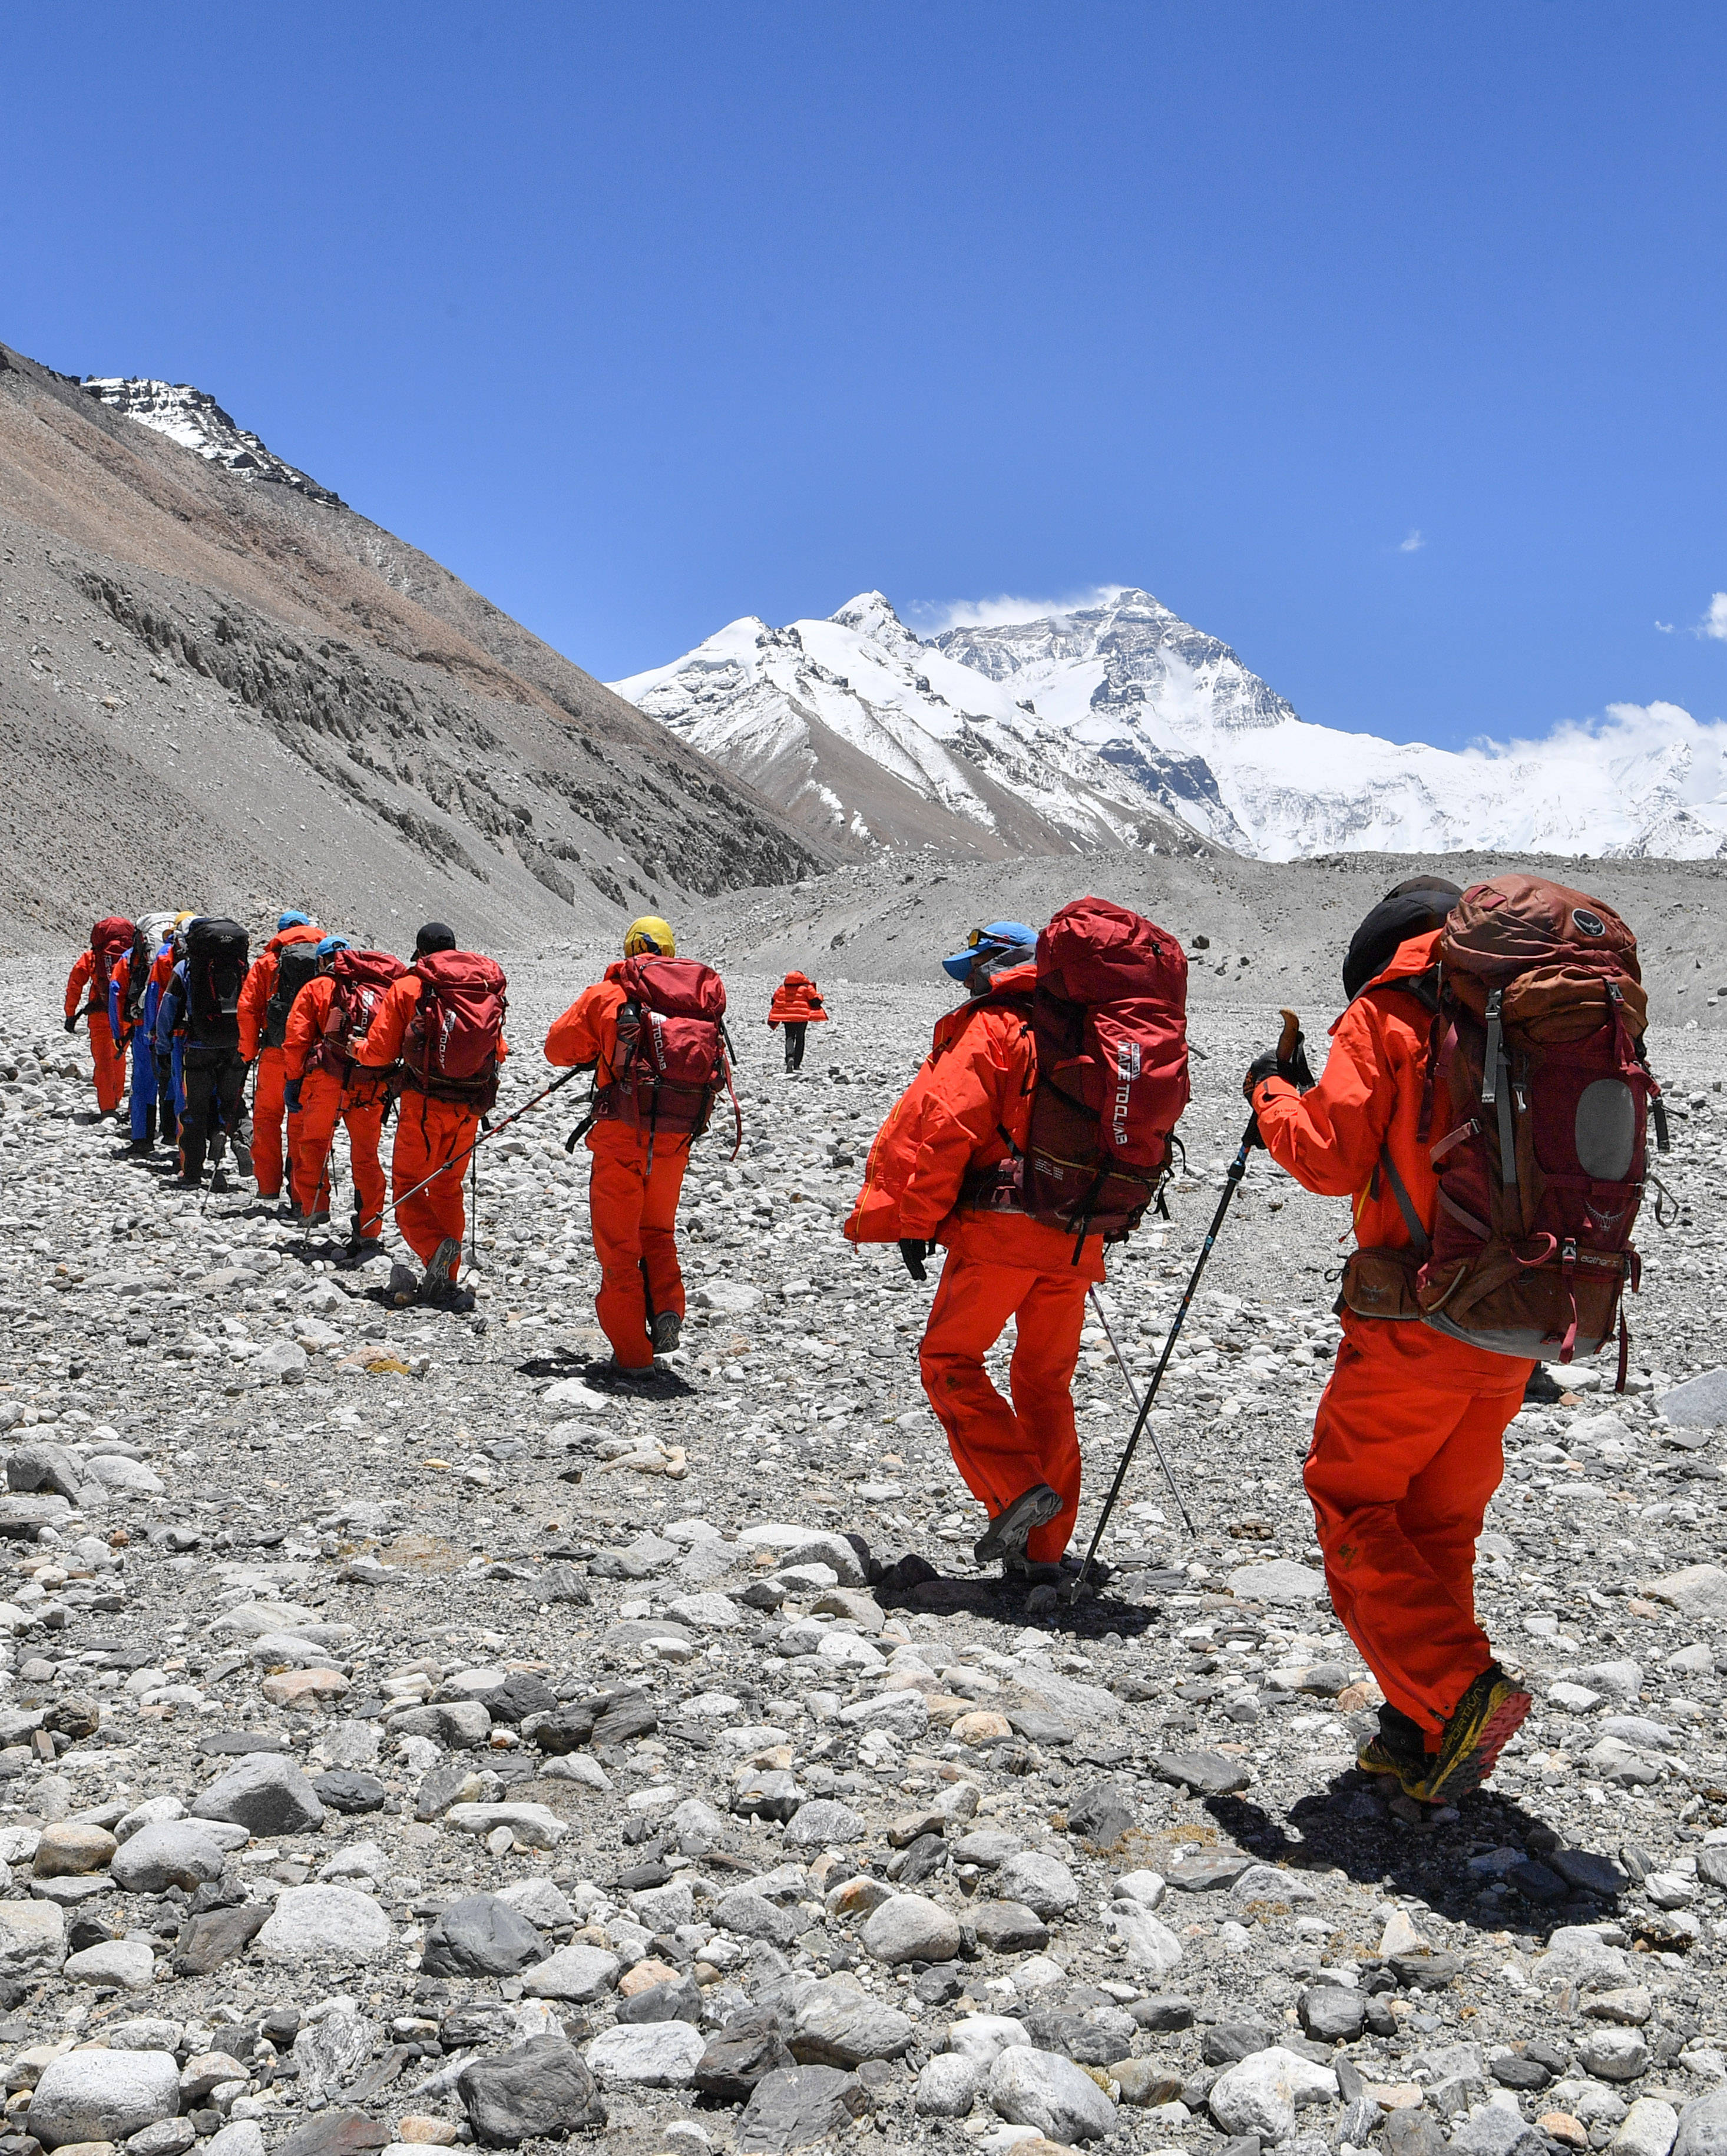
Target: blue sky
{"type": "Point", "coordinates": [1387, 344]}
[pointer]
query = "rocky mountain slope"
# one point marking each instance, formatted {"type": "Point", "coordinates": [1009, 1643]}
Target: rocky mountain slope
{"type": "Point", "coordinates": [1120, 724]}
{"type": "Point", "coordinates": [220, 687]}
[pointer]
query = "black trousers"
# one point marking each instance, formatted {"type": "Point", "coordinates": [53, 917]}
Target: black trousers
{"type": "Point", "coordinates": [215, 1081]}
{"type": "Point", "coordinates": [795, 1031]}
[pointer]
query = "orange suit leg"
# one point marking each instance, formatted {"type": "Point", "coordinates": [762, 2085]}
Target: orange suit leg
{"type": "Point", "coordinates": [1001, 1451]}
{"type": "Point", "coordinates": [1404, 1460]}
{"type": "Point", "coordinates": [429, 1133]}
{"type": "Point", "coordinates": [267, 1110]}
{"type": "Point", "coordinates": [616, 1197]}
{"type": "Point", "coordinates": [110, 1064]}
{"type": "Point", "coordinates": [311, 1135]}
{"type": "Point", "coordinates": [365, 1129]}
{"type": "Point", "coordinates": [658, 1226]}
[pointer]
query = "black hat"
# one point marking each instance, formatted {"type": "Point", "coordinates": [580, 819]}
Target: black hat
{"type": "Point", "coordinates": [1414, 908]}
{"type": "Point", "coordinates": [433, 936]}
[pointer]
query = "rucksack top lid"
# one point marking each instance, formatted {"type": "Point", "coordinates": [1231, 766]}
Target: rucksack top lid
{"type": "Point", "coordinates": [211, 931]}
{"type": "Point", "coordinates": [450, 973]}
{"type": "Point", "coordinates": [111, 937]}
{"type": "Point", "coordinates": [674, 987]}
{"type": "Point", "coordinates": [1515, 922]}
{"type": "Point", "coordinates": [366, 969]}
{"type": "Point", "coordinates": [1094, 951]}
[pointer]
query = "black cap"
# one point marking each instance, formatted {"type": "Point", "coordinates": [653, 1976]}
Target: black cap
{"type": "Point", "coordinates": [433, 936]}
{"type": "Point", "coordinates": [1415, 908]}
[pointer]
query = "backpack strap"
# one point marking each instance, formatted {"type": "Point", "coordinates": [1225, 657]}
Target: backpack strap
{"type": "Point", "coordinates": [1419, 1239]}
{"type": "Point", "coordinates": [1496, 1088]}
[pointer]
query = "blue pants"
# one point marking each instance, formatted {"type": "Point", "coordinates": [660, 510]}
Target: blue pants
{"type": "Point", "coordinates": [143, 1086]}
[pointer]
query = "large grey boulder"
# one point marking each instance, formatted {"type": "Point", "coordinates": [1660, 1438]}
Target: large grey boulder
{"type": "Point", "coordinates": [542, 2088]}
{"type": "Point", "coordinates": [325, 1924]}
{"type": "Point", "coordinates": [1029, 2087]}
{"type": "Point", "coordinates": [647, 2055]}
{"type": "Point", "coordinates": [103, 2096]}
{"type": "Point", "coordinates": [264, 1792]}
{"type": "Point", "coordinates": [909, 1928]}
{"type": "Point", "coordinates": [174, 1853]}
{"type": "Point", "coordinates": [838, 2025]}
{"type": "Point", "coordinates": [1702, 2126]}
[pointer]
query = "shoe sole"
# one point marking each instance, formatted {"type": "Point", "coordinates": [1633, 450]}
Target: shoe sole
{"type": "Point", "coordinates": [1473, 1767]}
{"type": "Point", "coordinates": [1026, 1519]}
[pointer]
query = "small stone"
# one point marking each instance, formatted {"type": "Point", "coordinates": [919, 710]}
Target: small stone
{"type": "Point", "coordinates": [314, 1687]}
{"type": "Point", "coordinates": [1043, 1883]}
{"type": "Point", "coordinates": [69, 1848]}
{"type": "Point", "coordinates": [648, 2054]}
{"type": "Point", "coordinates": [128, 1963]}
{"type": "Point", "coordinates": [208, 2071]}
{"type": "Point", "coordinates": [1695, 1590]}
{"type": "Point", "coordinates": [744, 2052]}
{"type": "Point", "coordinates": [542, 2087]}
{"type": "Point", "coordinates": [480, 1935]}
{"type": "Point", "coordinates": [1333, 2013]}
{"type": "Point", "coordinates": [541, 1900]}
{"type": "Point", "coordinates": [840, 2025]}
{"type": "Point", "coordinates": [535, 1826]}
{"type": "Point", "coordinates": [103, 2096]}
{"type": "Point", "coordinates": [170, 1853]}
{"type": "Point", "coordinates": [984, 1725]}
{"type": "Point", "coordinates": [947, 2087]}
{"type": "Point", "coordinates": [423, 2130]}
{"type": "Point", "coordinates": [796, 2106]}
{"type": "Point", "coordinates": [823, 1822]}
{"type": "Point", "coordinates": [748, 1915]}
{"type": "Point", "coordinates": [1648, 2128]}
{"type": "Point", "coordinates": [333, 1923]}
{"type": "Point", "coordinates": [1206, 1774]}
{"type": "Point", "coordinates": [345, 1791]}
{"type": "Point", "coordinates": [265, 1794]}
{"type": "Point", "coordinates": [1009, 1927]}
{"type": "Point", "coordinates": [1559, 2125]}
{"type": "Point", "coordinates": [1258, 2095]}
{"type": "Point", "coordinates": [1281, 1581]}
{"type": "Point", "coordinates": [909, 1928]}
{"type": "Point", "coordinates": [1030, 2087]}
{"type": "Point", "coordinates": [1150, 1943]}
{"type": "Point", "coordinates": [574, 1972]}
{"type": "Point", "coordinates": [1496, 2130]}
{"type": "Point", "coordinates": [32, 1945]}
{"type": "Point", "coordinates": [1102, 1814]}
{"type": "Point", "coordinates": [168, 2137]}
{"type": "Point", "coordinates": [1614, 2055]}
{"type": "Point", "coordinates": [215, 1936]}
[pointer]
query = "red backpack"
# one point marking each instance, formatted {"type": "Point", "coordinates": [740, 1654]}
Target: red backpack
{"type": "Point", "coordinates": [450, 1049]}
{"type": "Point", "coordinates": [360, 978]}
{"type": "Point", "coordinates": [1539, 1090]}
{"type": "Point", "coordinates": [672, 1062]}
{"type": "Point", "coordinates": [1108, 1018]}
{"type": "Point", "coordinates": [110, 941]}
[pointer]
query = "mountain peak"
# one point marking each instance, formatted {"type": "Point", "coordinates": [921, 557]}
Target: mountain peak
{"type": "Point", "coordinates": [872, 613]}
{"type": "Point", "coordinates": [197, 422]}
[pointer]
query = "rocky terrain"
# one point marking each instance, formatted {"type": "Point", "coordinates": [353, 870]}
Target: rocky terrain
{"type": "Point", "coordinates": [405, 1739]}
{"type": "Point", "coordinates": [219, 683]}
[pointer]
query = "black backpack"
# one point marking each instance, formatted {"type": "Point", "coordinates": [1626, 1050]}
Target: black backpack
{"type": "Point", "coordinates": [216, 955]}
{"type": "Point", "coordinates": [296, 963]}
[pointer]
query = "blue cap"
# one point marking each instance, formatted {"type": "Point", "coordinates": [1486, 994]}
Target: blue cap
{"type": "Point", "coordinates": [292, 921]}
{"type": "Point", "coordinates": [989, 942]}
{"type": "Point", "coordinates": [333, 943]}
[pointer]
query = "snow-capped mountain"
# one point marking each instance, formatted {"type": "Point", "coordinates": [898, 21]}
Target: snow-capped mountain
{"type": "Point", "coordinates": [1118, 723]}
{"type": "Point", "coordinates": [197, 422]}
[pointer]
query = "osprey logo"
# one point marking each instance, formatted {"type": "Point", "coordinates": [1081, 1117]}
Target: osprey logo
{"type": "Point", "coordinates": [1127, 1069]}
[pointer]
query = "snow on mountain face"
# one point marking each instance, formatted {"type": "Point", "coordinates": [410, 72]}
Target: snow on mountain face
{"type": "Point", "coordinates": [1120, 724]}
{"type": "Point", "coordinates": [198, 422]}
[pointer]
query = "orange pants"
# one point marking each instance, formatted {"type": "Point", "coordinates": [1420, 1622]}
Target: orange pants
{"type": "Point", "coordinates": [1406, 1455]}
{"type": "Point", "coordinates": [311, 1138]}
{"type": "Point", "coordinates": [632, 1211]}
{"type": "Point", "coordinates": [428, 1133]}
{"type": "Point", "coordinates": [109, 1062]}
{"type": "Point", "coordinates": [1003, 1451]}
{"type": "Point", "coordinates": [267, 1110]}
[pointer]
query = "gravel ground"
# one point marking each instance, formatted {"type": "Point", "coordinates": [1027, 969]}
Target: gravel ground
{"type": "Point", "coordinates": [572, 1731]}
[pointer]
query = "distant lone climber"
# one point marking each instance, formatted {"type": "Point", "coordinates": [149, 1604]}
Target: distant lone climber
{"type": "Point", "coordinates": [797, 1006]}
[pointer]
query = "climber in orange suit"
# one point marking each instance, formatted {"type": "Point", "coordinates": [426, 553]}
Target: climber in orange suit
{"type": "Point", "coordinates": [1406, 1448]}
{"type": "Point", "coordinates": [318, 1098]}
{"type": "Point", "coordinates": [431, 1133]}
{"type": "Point", "coordinates": [970, 1108]}
{"type": "Point", "coordinates": [257, 1027]}
{"type": "Point", "coordinates": [632, 1198]}
{"type": "Point", "coordinates": [82, 991]}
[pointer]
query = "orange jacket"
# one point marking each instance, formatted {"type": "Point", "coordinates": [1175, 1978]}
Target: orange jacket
{"type": "Point", "coordinates": [968, 1107]}
{"type": "Point", "coordinates": [390, 1021]}
{"type": "Point", "coordinates": [77, 981]}
{"type": "Point", "coordinates": [588, 1031]}
{"type": "Point", "coordinates": [260, 984]}
{"type": "Point", "coordinates": [797, 1001]}
{"type": "Point", "coordinates": [1371, 1096]}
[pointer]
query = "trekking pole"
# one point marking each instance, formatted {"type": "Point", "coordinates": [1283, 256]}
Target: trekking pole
{"type": "Point", "coordinates": [458, 1160]}
{"type": "Point", "coordinates": [473, 1209]}
{"type": "Point", "coordinates": [1288, 1047]}
{"type": "Point", "coordinates": [1133, 1395]}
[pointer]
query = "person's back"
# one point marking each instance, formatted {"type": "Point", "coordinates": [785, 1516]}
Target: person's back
{"type": "Point", "coordinates": [263, 1025]}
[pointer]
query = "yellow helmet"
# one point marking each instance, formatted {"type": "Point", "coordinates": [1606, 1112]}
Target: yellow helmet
{"type": "Point", "coordinates": [181, 919]}
{"type": "Point", "coordinates": [651, 936]}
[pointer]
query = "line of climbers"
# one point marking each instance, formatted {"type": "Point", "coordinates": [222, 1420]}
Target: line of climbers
{"type": "Point", "coordinates": [1483, 1105]}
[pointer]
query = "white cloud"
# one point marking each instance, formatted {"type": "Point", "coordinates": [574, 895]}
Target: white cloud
{"type": "Point", "coordinates": [932, 616]}
{"type": "Point", "coordinates": [1666, 628]}
{"type": "Point", "coordinates": [1714, 622]}
{"type": "Point", "coordinates": [1412, 545]}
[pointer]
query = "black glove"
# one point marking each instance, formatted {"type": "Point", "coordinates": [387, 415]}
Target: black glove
{"type": "Point", "coordinates": [1292, 1068]}
{"type": "Point", "coordinates": [913, 1250]}
{"type": "Point", "coordinates": [72, 1023]}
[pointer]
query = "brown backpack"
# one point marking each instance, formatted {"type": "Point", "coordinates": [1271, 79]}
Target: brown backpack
{"type": "Point", "coordinates": [1537, 1095]}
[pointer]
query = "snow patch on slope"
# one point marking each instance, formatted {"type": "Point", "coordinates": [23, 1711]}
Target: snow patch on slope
{"type": "Point", "coordinates": [197, 422]}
